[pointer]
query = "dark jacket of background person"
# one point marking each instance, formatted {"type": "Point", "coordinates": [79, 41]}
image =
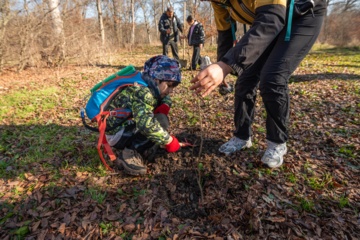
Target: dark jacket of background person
{"type": "Point", "coordinates": [198, 34]}
{"type": "Point", "coordinates": [165, 24]}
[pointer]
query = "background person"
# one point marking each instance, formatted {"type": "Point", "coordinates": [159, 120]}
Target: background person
{"type": "Point", "coordinates": [169, 27]}
{"type": "Point", "coordinates": [262, 59]}
{"type": "Point", "coordinates": [196, 38]}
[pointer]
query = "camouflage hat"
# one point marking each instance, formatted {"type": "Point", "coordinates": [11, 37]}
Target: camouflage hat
{"type": "Point", "coordinates": [163, 68]}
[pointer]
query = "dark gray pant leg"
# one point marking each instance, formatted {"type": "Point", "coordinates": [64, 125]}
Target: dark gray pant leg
{"type": "Point", "coordinates": [281, 63]}
{"type": "Point", "coordinates": [195, 56]}
{"type": "Point", "coordinates": [275, 66]}
{"type": "Point", "coordinates": [245, 98]}
{"type": "Point", "coordinates": [174, 49]}
{"type": "Point", "coordinates": [165, 46]}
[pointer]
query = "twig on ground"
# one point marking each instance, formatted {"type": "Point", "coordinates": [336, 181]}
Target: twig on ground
{"type": "Point", "coordinates": [200, 151]}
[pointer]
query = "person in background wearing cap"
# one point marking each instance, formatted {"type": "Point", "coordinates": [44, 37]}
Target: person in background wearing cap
{"type": "Point", "coordinates": [196, 38]}
{"type": "Point", "coordinates": [169, 27]}
{"type": "Point", "coordinates": [264, 59]}
{"type": "Point", "coordinates": [141, 136]}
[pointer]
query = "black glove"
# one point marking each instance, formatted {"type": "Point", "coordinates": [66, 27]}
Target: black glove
{"type": "Point", "coordinates": [225, 89]}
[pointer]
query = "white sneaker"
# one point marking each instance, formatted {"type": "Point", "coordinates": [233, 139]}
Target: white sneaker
{"type": "Point", "coordinates": [235, 144]}
{"type": "Point", "coordinates": [273, 156]}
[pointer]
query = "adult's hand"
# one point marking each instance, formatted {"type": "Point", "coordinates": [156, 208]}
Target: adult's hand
{"type": "Point", "coordinates": [209, 78]}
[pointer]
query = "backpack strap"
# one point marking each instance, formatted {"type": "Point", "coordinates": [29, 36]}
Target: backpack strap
{"type": "Point", "coordinates": [233, 26]}
{"type": "Point", "coordinates": [124, 113]}
{"type": "Point", "coordinates": [102, 142]}
{"type": "Point", "coordinates": [289, 23]}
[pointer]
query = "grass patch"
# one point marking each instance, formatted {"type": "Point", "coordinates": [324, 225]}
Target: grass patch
{"type": "Point", "coordinates": [28, 106]}
{"type": "Point", "coordinates": [105, 227]}
{"type": "Point", "coordinates": [320, 183]}
{"type": "Point", "coordinates": [348, 151]}
{"type": "Point", "coordinates": [96, 194]}
{"type": "Point", "coordinates": [292, 178]}
{"type": "Point", "coordinates": [22, 145]}
{"type": "Point", "coordinates": [306, 204]}
{"type": "Point", "coordinates": [343, 201]}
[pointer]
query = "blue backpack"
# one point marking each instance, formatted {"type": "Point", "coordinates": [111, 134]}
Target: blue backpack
{"type": "Point", "coordinates": [96, 108]}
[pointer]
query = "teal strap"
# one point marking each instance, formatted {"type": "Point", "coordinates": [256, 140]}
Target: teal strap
{"type": "Point", "coordinates": [232, 24]}
{"type": "Point", "coordinates": [233, 31]}
{"type": "Point", "coordinates": [289, 23]}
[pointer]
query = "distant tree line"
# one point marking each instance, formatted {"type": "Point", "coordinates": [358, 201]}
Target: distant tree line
{"type": "Point", "coordinates": [52, 32]}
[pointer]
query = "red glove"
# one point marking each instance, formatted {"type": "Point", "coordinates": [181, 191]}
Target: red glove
{"type": "Point", "coordinates": [173, 146]}
{"type": "Point", "coordinates": [163, 108]}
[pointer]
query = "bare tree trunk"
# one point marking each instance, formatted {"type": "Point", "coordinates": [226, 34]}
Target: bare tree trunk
{"type": "Point", "coordinates": [56, 21]}
{"type": "Point", "coordinates": [116, 21]}
{"type": "Point", "coordinates": [147, 25]}
{"type": "Point", "coordinates": [211, 24]}
{"type": "Point", "coordinates": [156, 20]}
{"type": "Point", "coordinates": [24, 39]}
{"type": "Point", "coordinates": [184, 19]}
{"type": "Point", "coordinates": [132, 22]}
{"type": "Point", "coordinates": [197, 6]}
{"type": "Point", "coordinates": [192, 9]}
{"type": "Point", "coordinates": [101, 23]}
{"type": "Point", "coordinates": [325, 25]}
{"type": "Point", "coordinates": [58, 52]}
{"type": "Point", "coordinates": [4, 19]}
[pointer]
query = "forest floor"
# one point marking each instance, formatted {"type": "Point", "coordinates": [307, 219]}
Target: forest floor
{"type": "Point", "coordinates": [53, 185]}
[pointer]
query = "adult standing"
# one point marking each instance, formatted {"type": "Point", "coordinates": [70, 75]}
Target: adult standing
{"type": "Point", "coordinates": [196, 38]}
{"type": "Point", "coordinates": [169, 27]}
{"type": "Point", "coordinates": [264, 58]}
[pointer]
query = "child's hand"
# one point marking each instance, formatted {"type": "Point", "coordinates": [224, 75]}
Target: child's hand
{"type": "Point", "coordinates": [173, 145]}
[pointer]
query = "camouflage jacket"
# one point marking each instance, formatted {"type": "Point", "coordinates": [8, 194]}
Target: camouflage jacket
{"type": "Point", "coordinates": [142, 101]}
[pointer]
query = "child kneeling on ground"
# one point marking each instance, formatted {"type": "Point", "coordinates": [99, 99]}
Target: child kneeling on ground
{"type": "Point", "coordinates": [140, 137]}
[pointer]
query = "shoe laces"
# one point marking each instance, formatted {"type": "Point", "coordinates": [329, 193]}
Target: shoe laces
{"type": "Point", "coordinates": [134, 157]}
{"type": "Point", "coordinates": [236, 140]}
{"type": "Point", "coordinates": [233, 140]}
{"type": "Point", "coordinates": [273, 148]}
